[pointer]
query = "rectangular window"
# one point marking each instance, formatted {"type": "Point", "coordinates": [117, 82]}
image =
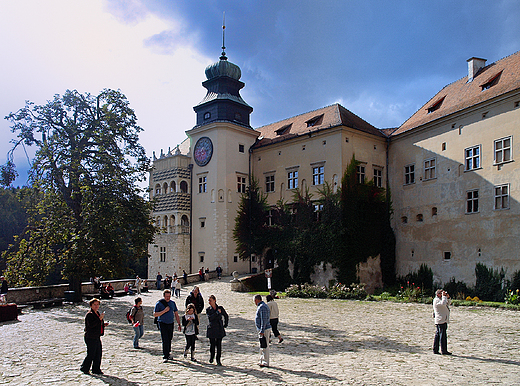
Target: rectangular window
{"type": "Point", "coordinates": [361, 174]}
{"type": "Point", "coordinates": [202, 184]}
{"type": "Point", "coordinates": [292, 179]}
{"type": "Point", "coordinates": [409, 174]}
{"type": "Point", "coordinates": [241, 148]}
{"type": "Point", "coordinates": [235, 259]}
{"type": "Point", "coordinates": [201, 258]}
{"type": "Point", "coordinates": [241, 184]}
{"type": "Point", "coordinates": [503, 150]}
{"type": "Point", "coordinates": [429, 169]}
{"type": "Point", "coordinates": [472, 201]}
{"type": "Point", "coordinates": [502, 197]}
{"type": "Point", "coordinates": [378, 178]}
{"type": "Point", "coordinates": [269, 183]}
{"type": "Point", "coordinates": [472, 156]}
{"type": "Point", "coordinates": [318, 175]}
{"type": "Point", "coordinates": [162, 254]}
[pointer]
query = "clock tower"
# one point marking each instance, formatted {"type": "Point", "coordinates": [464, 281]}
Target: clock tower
{"type": "Point", "coordinates": [220, 143]}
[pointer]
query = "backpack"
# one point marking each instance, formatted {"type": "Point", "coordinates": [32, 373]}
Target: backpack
{"type": "Point", "coordinates": [129, 315]}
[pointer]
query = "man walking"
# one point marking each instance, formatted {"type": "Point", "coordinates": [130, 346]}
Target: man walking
{"type": "Point", "coordinates": [165, 310]}
{"type": "Point", "coordinates": [441, 313]}
{"type": "Point", "coordinates": [263, 328]}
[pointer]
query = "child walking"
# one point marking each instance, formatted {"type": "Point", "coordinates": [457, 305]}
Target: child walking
{"type": "Point", "coordinates": [190, 321]}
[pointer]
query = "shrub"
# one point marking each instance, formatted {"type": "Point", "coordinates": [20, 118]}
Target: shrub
{"type": "Point", "coordinates": [512, 297]}
{"type": "Point", "coordinates": [515, 281]}
{"type": "Point", "coordinates": [337, 291]}
{"type": "Point", "coordinates": [457, 289]}
{"type": "Point", "coordinates": [489, 283]}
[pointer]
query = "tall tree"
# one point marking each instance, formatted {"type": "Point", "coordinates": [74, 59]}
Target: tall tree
{"type": "Point", "coordinates": [91, 217]}
{"type": "Point", "coordinates": [251, 229]}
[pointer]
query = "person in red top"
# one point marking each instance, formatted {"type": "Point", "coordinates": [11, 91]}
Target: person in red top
{"type": "Point", "coordinates": [94, 329]}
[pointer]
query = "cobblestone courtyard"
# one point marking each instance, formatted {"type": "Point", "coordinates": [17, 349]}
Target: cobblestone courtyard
{"type": "Point", "coordinates": [326, 342]}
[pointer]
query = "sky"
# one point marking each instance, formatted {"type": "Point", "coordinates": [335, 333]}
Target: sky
{"type": "Point", "coordinates": [380, 59]}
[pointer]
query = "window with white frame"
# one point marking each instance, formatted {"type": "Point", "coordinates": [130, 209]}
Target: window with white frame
{"type": "Point", "coordinates": [241, 184]}
{"type": "Point", "coordinates": [409, 174]}
{"type": "Point", "coordinates": [202, 184]}
{"type": "Point", "coordinates": [503, 150]}
{"type": "Point", "coordinates": [429, 169]}
{"type": "Point", "coordinates": [162, 254]}
{"type": "Point", "coordinates": [292, 179]}
{"type": "Point", "coordinates": [378, 177]}
{"type": "Point", "coordinates": [472, 157]}
{"type": "Point", "coordinates": [472, 201]}
{"type": "Point", "coordinates": [318, 175]}
{"type": "Point", "coordinates": [502, 197]}
{"type": "Point", "coordinates": [360, 174]}
{"type": "Point", "coordinates": [269, 183]}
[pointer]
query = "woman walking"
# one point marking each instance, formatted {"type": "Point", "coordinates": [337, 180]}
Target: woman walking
{"type": "Point", "coordinates": [190, 321]}
{"type": "Point", "coordinates": [216, 328]}
{"type": "Point", "coordinates": [94, 329]}
{"type": "Point", "coordinates": [137, 315]}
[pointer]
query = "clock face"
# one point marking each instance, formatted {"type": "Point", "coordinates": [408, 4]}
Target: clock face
{"type": "Point", "coordinates": [203, 151]}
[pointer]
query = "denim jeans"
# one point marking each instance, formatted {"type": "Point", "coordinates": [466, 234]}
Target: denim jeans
{"type": "Point", "coordinates": [139, 332]}
{"type": "Point", "coordinates": [441, 336]}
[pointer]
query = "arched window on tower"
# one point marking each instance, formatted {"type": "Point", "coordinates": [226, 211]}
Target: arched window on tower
{"type": "Point", "coordinates": [165, 224]}
{"type": "Point", "coordinates": [185, 224]}
{"type": "Point", "coordinates": [165, 187]}
{"type": "Point", "coordinates": [172, 187]}
{"type": "Point", "coordinates": [172, 224]}
{"type": "Point", "coordinates": [157, 189]}
{"type": "Point", "coordinates": [184, 187]}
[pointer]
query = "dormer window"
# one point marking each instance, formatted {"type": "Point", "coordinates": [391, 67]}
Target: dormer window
{"type": "Point", "coordinates": [315, 121]}
{"type": "Point", "coordinates": [207, 115]}
{"type": "Point", "coordinates": [284, 130]}
{"type": "Point", "coordinates": [491, 81]}
{"type": "Point", "coordinates": [436, 105]}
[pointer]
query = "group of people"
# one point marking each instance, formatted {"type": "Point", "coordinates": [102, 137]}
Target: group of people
{"type": "Point", "coordinates": [266, 322]}
{"type": "Point", "coordinates": [167, 314]}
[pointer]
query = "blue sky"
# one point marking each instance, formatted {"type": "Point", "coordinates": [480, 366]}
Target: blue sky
{"type": "Point", "coordinates": [380, 59]}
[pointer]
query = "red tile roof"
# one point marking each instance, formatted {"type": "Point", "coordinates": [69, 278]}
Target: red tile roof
{"type": "Point", "coordinates": [313, 121]}
{"type": "Point", "coordinates": [504, 75]}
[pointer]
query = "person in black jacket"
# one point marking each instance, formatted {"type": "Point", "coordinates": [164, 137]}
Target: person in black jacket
{"type": "Point", "coordinates": [190, 321]}
{"type": "Point", "coordinates": [94, 329]}
{"type": "Point", "coordinates": [216, 328]}
{"type": "Point", "coordinates": [195, 298]}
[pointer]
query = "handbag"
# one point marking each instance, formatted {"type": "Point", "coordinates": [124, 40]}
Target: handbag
{"type": "Point", "coordinates": [263, 342]}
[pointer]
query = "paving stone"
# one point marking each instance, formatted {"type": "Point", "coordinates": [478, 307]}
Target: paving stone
{"type": "Point", "coordinates": [326, 342]}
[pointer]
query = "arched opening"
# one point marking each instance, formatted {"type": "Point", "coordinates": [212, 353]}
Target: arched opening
{"type": "Point", "coordinates": [165, 224]}
{"type": "Point", "coordinates": [172, 224]}
{"type": "Point", "coordinates": [172, 187]}
{"type": "Point", "coordinates": [165, 187]}
{"type": "Point", "coordinates": [185, 224]}
{"type": "Point", "coordinates": [184, 187]}
{"type": "Point", "coordinates": [158, 221]}
{"type": "Point", "coordinates": [157, 189]}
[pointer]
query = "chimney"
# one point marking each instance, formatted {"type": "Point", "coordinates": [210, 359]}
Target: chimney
{"type": "Point", "coordinates": [474, 65]}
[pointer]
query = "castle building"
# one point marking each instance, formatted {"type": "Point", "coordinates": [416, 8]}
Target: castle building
{"type": "Point", "coordinates": [450, 167]}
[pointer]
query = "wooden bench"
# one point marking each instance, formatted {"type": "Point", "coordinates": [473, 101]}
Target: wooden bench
{"type": "Point", "coordinates": [46, 303]}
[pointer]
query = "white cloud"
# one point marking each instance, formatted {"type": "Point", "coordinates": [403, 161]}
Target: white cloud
{"type": "Point", "coordinates": [52, 46]}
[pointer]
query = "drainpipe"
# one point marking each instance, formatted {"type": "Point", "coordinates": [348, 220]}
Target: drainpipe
{"type": "Point", "coordinates": [249, 190]}
{"type": "Point", "coordinates": [190, 167]}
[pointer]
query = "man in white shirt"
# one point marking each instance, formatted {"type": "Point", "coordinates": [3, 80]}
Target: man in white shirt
{"type": "Point", "coordinates": [441, 313]}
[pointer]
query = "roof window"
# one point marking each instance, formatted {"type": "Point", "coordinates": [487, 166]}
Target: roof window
{"type": "Point", "coordinates": [284, 130]}
{"type": "Point", "coordinates": [314, 121]}
{"type": "Point", "coordinates": [491, 81]}
{"type": "Point", "coordinates": [436, 105]}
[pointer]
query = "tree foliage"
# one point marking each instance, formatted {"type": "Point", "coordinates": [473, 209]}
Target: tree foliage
{"type": "Point", "coordinates": [250, 231]}
{"type": "Point", "coordinates": [88, 216]}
